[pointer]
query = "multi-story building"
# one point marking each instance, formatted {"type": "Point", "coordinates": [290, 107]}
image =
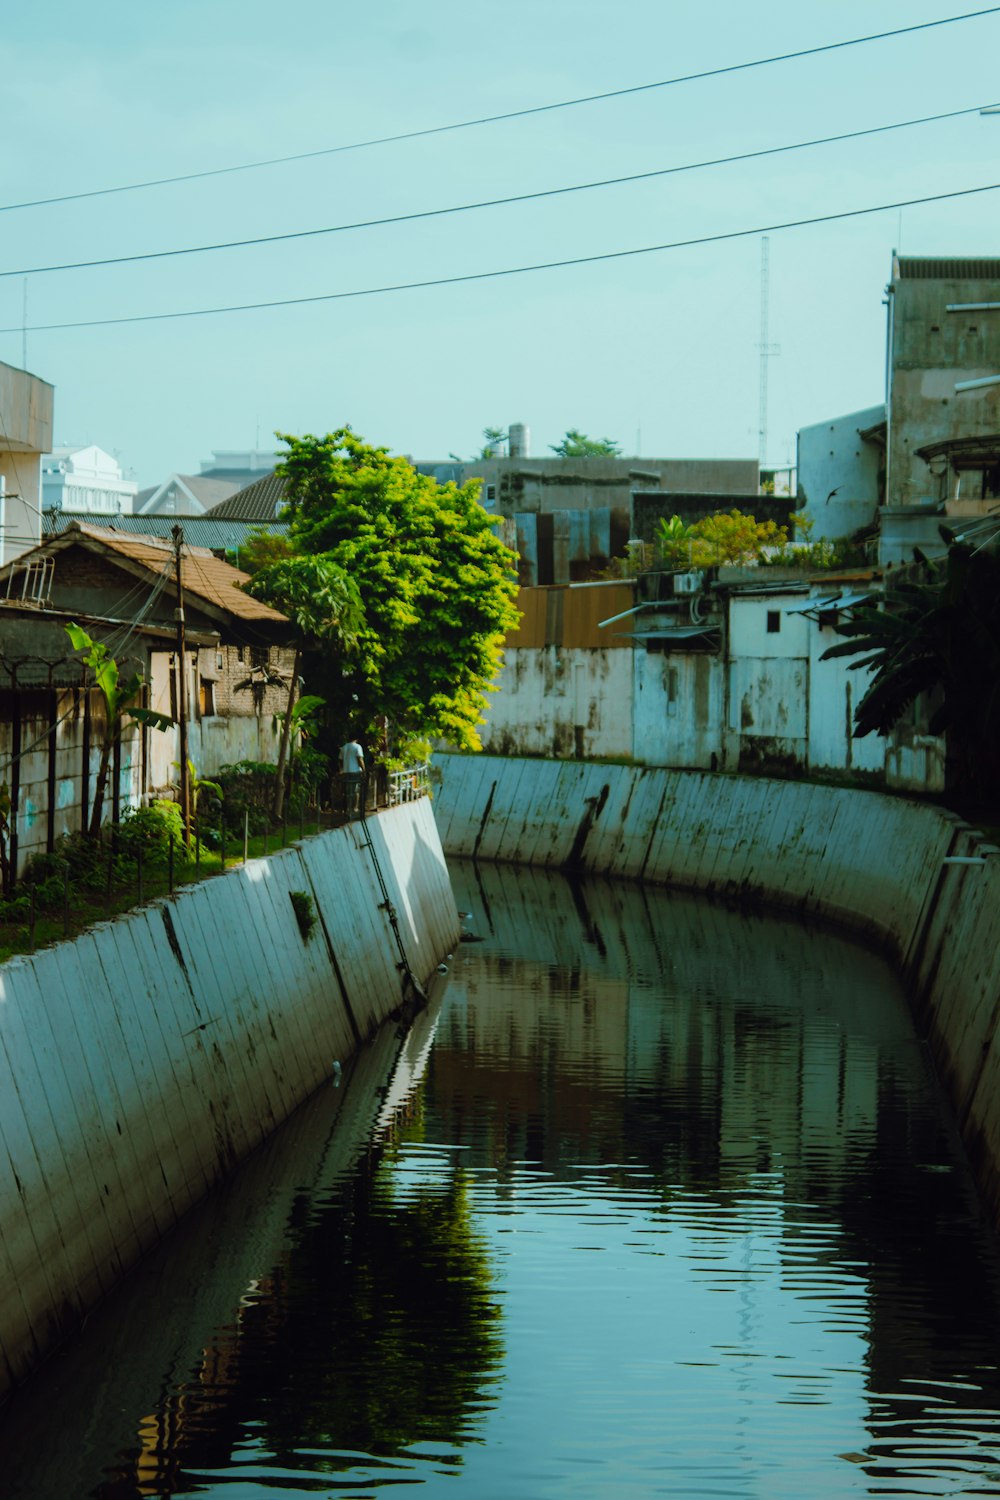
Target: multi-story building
{"type": "Point", "coordinates": [943, 403]}
{"type": "Point", "coordinates": [86, 481]}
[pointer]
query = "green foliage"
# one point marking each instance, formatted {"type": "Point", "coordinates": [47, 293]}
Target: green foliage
{"type": "Point", "coordinates": [310, 768]}
{"type": "Point", "coordinates": [120, 702]}
{"type": "Point", "coordinates": [725, 537]}
{"type": "Point", "coordinates": [437, 585]}
{"type": "Point", "coordinates": [119, 697]}
{"type": "Point", "coordinates": [151, 829]}
{"type": "Point", "coordinates": [494, 439]}
{"type": "Point", "coordinates": [936, 634]}
{"type": "Point", "coordinates": [247, 789]}
{"type": "Point", "coordinates": [305, 912]}
{"type": "Point", "coordinates": [305, 715]}
{"type": "Point", "coordinates": [818, 557]}
{"type": "Point", "coordinates": [577, 444]}
{"type": "Point", "coordinates": [316, 594]}
{"type": "Point", "coordinates": [197, 785]}
{"type": "Point", "coordinates": [262, 548]}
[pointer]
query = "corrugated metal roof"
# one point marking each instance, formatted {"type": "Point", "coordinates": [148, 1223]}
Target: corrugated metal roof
{"type": "Point", "coordinates": [218, 535]}
{"type": "Point", "coordinates": [675, 633]}
{"type": "Point", "coordinates": [258, 502]}
{"type": "Point", "coordinates": [923, 268]}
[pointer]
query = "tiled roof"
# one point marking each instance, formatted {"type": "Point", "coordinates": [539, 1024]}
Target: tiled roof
{"type": "Point", "coordinates": [258, 502]}
{"type": "Point", "coordinates": [205, 576]}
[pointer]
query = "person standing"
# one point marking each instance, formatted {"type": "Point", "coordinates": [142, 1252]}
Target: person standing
{"type": "Point", "coordinates": [352, 768]}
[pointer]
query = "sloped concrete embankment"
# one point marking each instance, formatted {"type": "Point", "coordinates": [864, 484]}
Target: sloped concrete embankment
{"type": "Point", "coordinates": [140, 1062]}
{"type": "Point", "coordinates": [873, 864]}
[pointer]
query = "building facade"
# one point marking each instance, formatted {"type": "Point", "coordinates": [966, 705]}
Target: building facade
{"type": "Point", "coordinates": [87, 481]}
{"type": "Point", "coordinates": [943, 403]}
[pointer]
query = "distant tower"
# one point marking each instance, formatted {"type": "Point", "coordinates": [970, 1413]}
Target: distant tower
{"type": "Point", "coordinates": [766, 349]}
{"type": "Point", "coordinates": [518, 440]}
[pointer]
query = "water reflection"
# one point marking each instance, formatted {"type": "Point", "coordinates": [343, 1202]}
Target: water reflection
{"type": "Point", "coordinates": [668, 1206]}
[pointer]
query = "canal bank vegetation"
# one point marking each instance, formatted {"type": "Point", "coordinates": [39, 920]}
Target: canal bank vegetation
{"type": "Point", "coordinates": [90, 879]}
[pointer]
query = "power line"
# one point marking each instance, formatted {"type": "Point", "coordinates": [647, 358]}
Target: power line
{"type": "Point", "coordinates": [551, 265]}
{"type": "Point", "coordinates": [511, 114]}
{"type": "Point", "coordinates": [461, 208]}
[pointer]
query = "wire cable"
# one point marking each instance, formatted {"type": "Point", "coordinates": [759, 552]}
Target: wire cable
{"type": "Point", "coordinates": [462, 208]}
{"type": "Point", "coordinates": [551, 265]}
{"type": "Point", "coordinates": [511, 114]}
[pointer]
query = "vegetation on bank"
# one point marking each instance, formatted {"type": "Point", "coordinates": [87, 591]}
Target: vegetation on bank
{"type": "Point", "coordinates": [89, 879]}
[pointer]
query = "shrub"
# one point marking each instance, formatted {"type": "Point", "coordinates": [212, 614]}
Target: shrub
{"type": "Point", "coordinates": [150, 829]}
{"type": "Point", "coordinates": [247, 789]}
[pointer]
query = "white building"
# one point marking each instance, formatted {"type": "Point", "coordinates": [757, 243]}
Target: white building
{"type": "Point", "coordinates": [86, 480]}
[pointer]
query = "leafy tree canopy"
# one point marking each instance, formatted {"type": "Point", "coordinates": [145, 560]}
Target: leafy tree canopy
{"type": "Point", "coordinates": [577, 444]}
{"type": "Point", "coordinates": [727, 537]}
{"type": "Point", "coordinates": [316, 594]}
{"type": "Point", "coordinates": [437, 584]}
{"type": "Point", "coordinates": [324, 605]}
{"type": "Point", "coordinates": [262, 547]}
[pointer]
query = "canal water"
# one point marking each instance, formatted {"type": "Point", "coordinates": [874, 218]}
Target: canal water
{"type": "Point", "coordinates": [657, 1198]}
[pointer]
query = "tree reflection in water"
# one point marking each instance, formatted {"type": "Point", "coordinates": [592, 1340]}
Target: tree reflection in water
{"type": "Point", "coordinates": [376, 1332]}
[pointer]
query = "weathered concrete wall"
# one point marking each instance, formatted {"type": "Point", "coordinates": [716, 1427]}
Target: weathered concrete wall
{"type": "Point", "coordinates": [931, 350]}
{"type": "Point", "coordinates": [678, 707]}
{"type": "Point", "coordinates": [562, 702]}
{"type": "Point", "coordinates": [839, 473]}
{"type": "Point", "coordinates": [872, 863]}
{"type": "Point", "coordinates": [140, 1062]}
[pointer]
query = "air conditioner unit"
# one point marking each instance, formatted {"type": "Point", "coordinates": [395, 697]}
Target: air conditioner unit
{"type": "Point", "coordinates": [687, 583]}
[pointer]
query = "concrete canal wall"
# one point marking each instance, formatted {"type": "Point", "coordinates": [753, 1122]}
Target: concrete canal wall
{"type": "Point", "coordinates": [140, 1062]}
{"type": "Point", "coordinates": [874, 864]}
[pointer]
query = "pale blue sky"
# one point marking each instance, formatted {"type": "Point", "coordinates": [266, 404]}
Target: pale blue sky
{"type": "Point", "coordinates": [664, 344]}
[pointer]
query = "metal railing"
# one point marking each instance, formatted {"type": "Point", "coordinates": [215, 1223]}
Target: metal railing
{"type": "Point", "coordinates": [408, 784]}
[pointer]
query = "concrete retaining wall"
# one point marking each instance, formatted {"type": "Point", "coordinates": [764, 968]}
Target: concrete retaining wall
{"type": "Point", "coordinates": [138, 1063]}
{"type": "Point", "coordinates": [868, 862]}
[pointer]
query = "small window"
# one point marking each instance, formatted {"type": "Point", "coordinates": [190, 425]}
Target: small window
{"type": "Point", "coordinates": [773, 621]}
{"type": "Point", "coordinates": [672, 685]}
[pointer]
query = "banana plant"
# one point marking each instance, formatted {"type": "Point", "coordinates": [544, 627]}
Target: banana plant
{"type": "Point", "coordinates": [120, 706]}
{"type": "Point", "coordinates": [198, 784]}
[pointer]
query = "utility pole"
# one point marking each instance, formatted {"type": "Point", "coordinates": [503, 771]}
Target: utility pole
{"type": "Point", "coordinates": [766, 349]}
{"type": "Point", "coordinates": [178, 535]}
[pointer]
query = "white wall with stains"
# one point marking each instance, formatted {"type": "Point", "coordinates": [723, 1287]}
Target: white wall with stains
{"type": "Point", "coordinates": [140, 1062]}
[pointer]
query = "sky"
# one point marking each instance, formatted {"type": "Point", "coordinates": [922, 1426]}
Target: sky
{"type": "Point", "coordinates": [659, 352]}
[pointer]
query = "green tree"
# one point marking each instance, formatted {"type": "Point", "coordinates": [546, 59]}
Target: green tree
{"type": "Point", "coordinates": [937, 634]}
{"type": "Point", "coordinates": [577, 444]}
{"type": "Point", "coordinates": [120, 702]}
{"type": "Point", "coordinates": [725, 537]}
{"type": "Point", "coordinates": [437, 585]}
{"type": "Point", "coordinates": [323, 604]}
{"type": "Point", "coordinates": [261, 548]}
{"type": "Point", "coordinates": [494, 439]}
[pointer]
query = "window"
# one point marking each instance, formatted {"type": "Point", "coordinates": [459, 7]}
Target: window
{"type": "Point", "coordinates": [207, 698]}
{"type": "Point", "coordinates": [773, 621]}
